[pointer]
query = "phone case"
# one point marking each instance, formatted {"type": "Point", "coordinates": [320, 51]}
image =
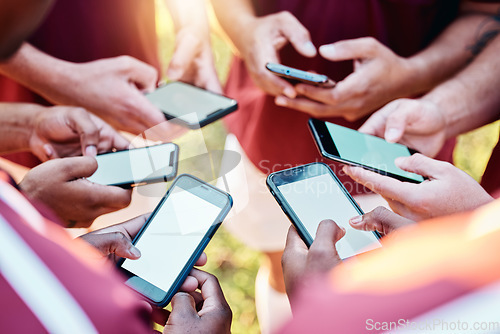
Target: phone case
{"type": "Point", "coordinates": [199, 250]}
{"type": "Point", "coordinates": [301, 230]}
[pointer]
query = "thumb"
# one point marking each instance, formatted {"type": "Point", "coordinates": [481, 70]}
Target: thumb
{"type": "Point", "coordinates": [75, 167]}
{"type": "Point", "coordinates": [322, 254]}
{"type": "Point", "coordinates": [183, 306]}
{"type": "Point", "coordinates": [381, 220]}
{"type": "Point", "coordinates": [113, 243]}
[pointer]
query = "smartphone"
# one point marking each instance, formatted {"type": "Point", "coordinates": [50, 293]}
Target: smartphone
{"type": "Point", "coordinates": [295, 76]}
{"type": "Point", "coordinates": [354, 148]}
{"type": "Point", "coordinates": [137, 166]}
{"type": "Point", "coordinates": [174, 237]}
{"type": "Point", "coordinates": [311, 193]}
{"type": "Point", "coordinates": [189, 105]}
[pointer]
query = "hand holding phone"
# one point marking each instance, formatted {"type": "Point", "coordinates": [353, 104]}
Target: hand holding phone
{"type": "Point", "coordinates": [136, 166]}
{"type": "Point", "coordinates": [189, 105]}
{"type": "Point", "coordinates": [295, 76]}
{"type": "Point", "coordinates": [311, 193]}
{"type": "Point", "coordinates": [174, 237]}
{"type": "Point", "coordinates": [354, 148]}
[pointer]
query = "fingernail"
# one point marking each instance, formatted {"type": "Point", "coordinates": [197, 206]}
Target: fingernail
{"type": "Point", "coordinates": [48, 150]}
{"type": "Point", "coordinates": [135, 251]}
{"type": "Point", "coordinates": [391, 135]}
{"type": "Point", "coordinates": [327, 49]}
{"type": "Point", "coordinates": [290, 92]}
{"type": "Point", "coordinates": [174, 74]}
{"type": "Point", "coordinates": [91, 151]}
{"type": "Point", "coordinates": [280, 100]}
{"type": "Point", "coordinates": [399, 161]}
{"type": "Point", "coordinates": [343, 229]}
{"type": "Point", "coordinates": [356, 220]}
{"type": "Point", "coordinates": [310, 49]}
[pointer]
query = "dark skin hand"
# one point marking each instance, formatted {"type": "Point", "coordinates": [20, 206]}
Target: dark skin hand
{"type": "Point", "coordinates": [61, 185]}
{"type": "Point", "coordinates": [298, 261]}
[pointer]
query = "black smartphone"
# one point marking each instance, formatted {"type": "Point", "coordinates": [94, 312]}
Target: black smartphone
{"type": "Point", "coordinates": [137, 166]}
{"type": "Point", "coordinates": [354, 148]}
{"type": "Point", "coordinates": [189, 105]}
{"type": "Point", "coordinates": [311, 193]}
{"type": "Point", "coordinates": [174, 237]}
{"type": "Point", "coordinates": [295, 76]}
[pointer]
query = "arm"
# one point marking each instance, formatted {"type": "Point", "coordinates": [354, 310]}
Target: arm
{"type": "Point", "coordinates": [192, 60]}
{"type": "Point", "coordinates": [258, 40]}
{"type": "Point", "coordinates": [111, 88]}
{"type": "Point", "coordinates": [462, 103]}
{"type": "Point", "coordinates": [381, 76]}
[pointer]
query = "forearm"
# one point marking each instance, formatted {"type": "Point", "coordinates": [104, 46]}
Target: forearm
{"type": "Point", "coordinates": [187, 13]}
{"type": "Point", "coordinates": [452, 49]}
{"type": "Point", "coordinates": [470, 99]}
{"type": "Point", "coordinates": [39, 72]}
{"type": "Point", "coordinates": [233, 17]}
{"type": "Point", "coordinates": [16, 125]}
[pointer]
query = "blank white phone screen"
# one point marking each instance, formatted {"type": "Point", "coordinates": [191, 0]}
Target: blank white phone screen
{"type": "Point", "coordinates": [134, 165]}
{"type": "Point", "coordinates": [317, 198]}
{"type": "Point", "coordinates": [172, 237]}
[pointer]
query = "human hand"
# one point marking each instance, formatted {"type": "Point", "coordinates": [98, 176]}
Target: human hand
{"type": "Point", "coordinates": [381, 220]}
{"type": "Point", "coordinates": [260, 42]}
{"type": "Point", "coordinates": [200, 312]}
{"type": "Point", "coordinates": [419, 124]}
{"type": "Point", "coordinates": [298, 261]}
{"type": "Point", "coordinates": [68, 131]}
{"type": "Point", "coordinates": [113, 89]}
{"type": "Point", "coordinates": [447, 190]}
{"type": "Point", "coordinates": [193, 61]}
{"type": "Point", "coordinates": [379, 76]}
{"type": "Point", "coordinates": [60, 184]}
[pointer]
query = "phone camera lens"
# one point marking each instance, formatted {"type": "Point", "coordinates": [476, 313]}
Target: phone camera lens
{"type": "Point", "coordinates": [287, 72]}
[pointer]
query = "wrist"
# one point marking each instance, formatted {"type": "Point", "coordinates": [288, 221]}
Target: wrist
{"type": "Point", "coordinates": [417, 76]}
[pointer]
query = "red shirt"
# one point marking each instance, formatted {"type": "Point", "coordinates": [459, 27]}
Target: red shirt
{"type": "Point", "coordinates": [275, 137]}
{"type": "Point", "coordinates": [49, 281]}
{"type": "Point", "coordinates": [429, 267]}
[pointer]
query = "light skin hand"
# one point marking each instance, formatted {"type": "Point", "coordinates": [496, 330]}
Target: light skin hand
{"type": "Point", "coordinates": [193, 61]}
{"type": "Point", "coordinates": [379, 76]}
{"type": "Point", "coordinates": [113, 89]}
{"type": "Point", "coordinates": [447, 190]}
{"type": "Point", "coordinates": [68, 131]}
{"type": "Point", "coordinates": [419, 124]}
{"type": "Point", "coordinates": [381, 220]}
{"type": "Point", "coordinates": [298, 261]}
{"type": "Point", "coordinates": [200, 312]}
{"type": "Point", "coordinates": [61, 185]}
{"type": "Point", "coordinates": [260, 42]}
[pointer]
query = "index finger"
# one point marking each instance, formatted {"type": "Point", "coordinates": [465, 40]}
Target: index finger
{"type": "Point", "coordinates": [79, 121]}
{"type": "Point", "coordinates": [386, 186]}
